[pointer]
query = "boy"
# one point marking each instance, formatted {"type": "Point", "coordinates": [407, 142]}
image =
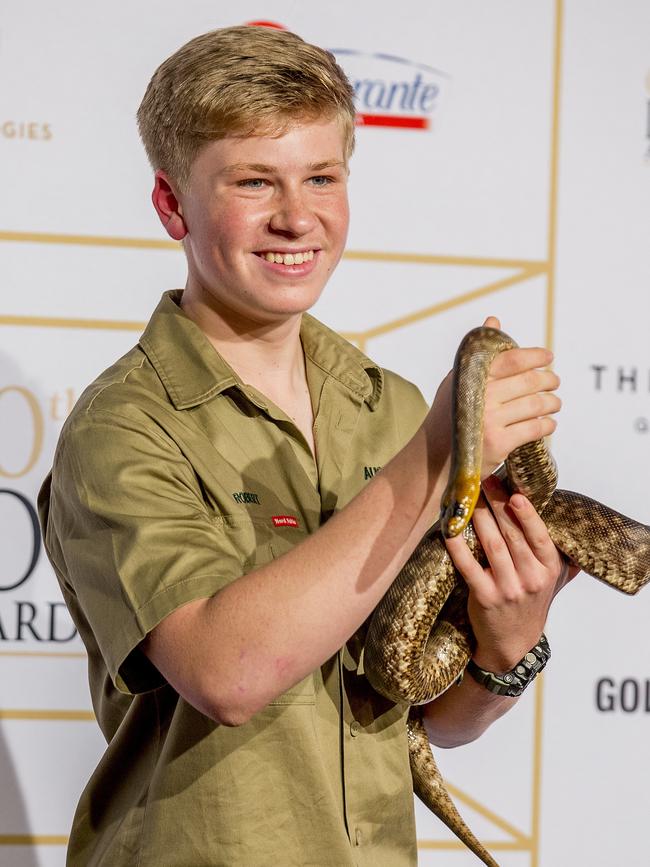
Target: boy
{"type": "Point", "coordinates": [208, 518]}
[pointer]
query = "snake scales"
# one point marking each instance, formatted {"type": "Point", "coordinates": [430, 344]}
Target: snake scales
{"type": "Point", "coordinates": [419, 638]}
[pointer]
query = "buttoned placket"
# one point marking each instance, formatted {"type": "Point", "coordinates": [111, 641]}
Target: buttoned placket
{"type": "Point", "coordinates": [334, 427]}
{"type": "Point", "coordinates": [335, 422]}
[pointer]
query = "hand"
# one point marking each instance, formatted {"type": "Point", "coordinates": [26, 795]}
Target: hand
{"type": "Point", "coordinates": [509, 598]}
{"type": "Point", "coordinates": [518, 402]}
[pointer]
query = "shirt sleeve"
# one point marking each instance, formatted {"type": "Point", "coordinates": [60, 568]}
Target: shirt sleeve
{"type": "Point", "coordinates": [131, 538]}
{"type": "Point", "coordinates": [405, 404]}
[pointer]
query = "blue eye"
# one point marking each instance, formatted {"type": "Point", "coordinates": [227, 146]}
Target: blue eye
{"type": "Point", "coordinates": [321, 180]}
{"type": "Point", "coordinates": [252, 183]}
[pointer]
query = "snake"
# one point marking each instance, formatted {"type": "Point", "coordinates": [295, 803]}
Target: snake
{"type": "Point", "coordinates": [419, 637]}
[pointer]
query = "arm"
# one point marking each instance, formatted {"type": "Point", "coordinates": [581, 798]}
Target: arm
{"type": "Point", "coordinates": [508, 604]}
{"type": "Point", "coordinates": [231, 654]}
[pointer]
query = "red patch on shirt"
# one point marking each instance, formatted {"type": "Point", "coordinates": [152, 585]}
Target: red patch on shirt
{"type": "Point", "coordinates": [285, 521]}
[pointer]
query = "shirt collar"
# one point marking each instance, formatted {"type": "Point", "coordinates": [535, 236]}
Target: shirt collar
{"type": "Point", "coordinates": [193, 372]}
{"type": "Point", "coordinates": [340, 359]}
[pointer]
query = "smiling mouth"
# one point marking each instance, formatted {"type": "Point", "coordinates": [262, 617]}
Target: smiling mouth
{"type": "Point", "coordinates": [288, 258]}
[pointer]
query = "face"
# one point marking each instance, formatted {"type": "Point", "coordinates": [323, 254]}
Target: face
{"type": "Point", "coordinates": [266, 220]}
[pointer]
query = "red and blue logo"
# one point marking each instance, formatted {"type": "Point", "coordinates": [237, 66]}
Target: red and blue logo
{"type": "Point", "coordinates": [389, 91]}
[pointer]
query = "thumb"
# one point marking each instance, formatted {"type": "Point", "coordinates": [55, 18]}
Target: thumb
{"type": "Point", "coordinates": [492, 322]}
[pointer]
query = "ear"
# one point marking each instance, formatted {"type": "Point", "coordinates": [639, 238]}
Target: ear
{"type": "Point", "coordinates": [168, 207]}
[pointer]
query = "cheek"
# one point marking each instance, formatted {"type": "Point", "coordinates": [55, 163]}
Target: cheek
{"type": "Point", "coordinates": [343, 219]}
{"type": "Point", "coordinates": [236, 228]}
{"type": "Point", "coordinates": [342, 209]}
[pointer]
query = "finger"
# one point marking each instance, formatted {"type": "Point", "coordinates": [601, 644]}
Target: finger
{"type": "Point", "coordinates": [492, 322]}
{"type": "Point", "coordinates": [523, 556]}
{"type": "Point", "coordinates": [469, 567]}
{"type": "Point", "coordinates": [535, 530]}
{"type": "Point", "coordinates": [496, 549]}
{"type": "Point", "coordinates": [523, 408]}
{"type": "Point", "coordinates": [512, 436]}
{"type": "Point", "coordinates": [507, 388]}
{"type": "Point", "coordinates": [513, 361]}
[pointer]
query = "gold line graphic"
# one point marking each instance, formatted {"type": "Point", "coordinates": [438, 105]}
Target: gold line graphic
{"type": "Point", "coordinates": [57, 715]}
{"type": "Point", "coordinates": [553, 176]}
{"type": "Point", "coordinates": [456, 845]}
{"type": "Point", "coordinates": [33, 840]}
{"type": "Point", "coordinates": [434, 259]}
{"type": "Point", "coordinates": [484, 811]}
{"type": "Point", "coordinates": [353, 255]}
{"type": "Point", "coordinates": [441, 306]}
{"type": "Point", "coordinates": [44, 653]}
{"type": "Point", "coordinates": [401, 322]}
{"type": "Point", "coordinates": [63, 322]}
{"type": "Point", "coordinates": [90, 240]}
{"type": "Point", "coordinates": [550, 340]}
{"type": "Point", "coordinates": [537, 769]}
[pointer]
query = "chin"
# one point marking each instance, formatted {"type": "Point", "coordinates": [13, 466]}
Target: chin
{"type": "Point", "coordinates": [293, 305]}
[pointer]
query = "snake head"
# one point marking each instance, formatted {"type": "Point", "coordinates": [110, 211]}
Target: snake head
{"type": "Point", "coordinates": [457, 505]}
{"type": "Point", "coordinates": [454, 517]}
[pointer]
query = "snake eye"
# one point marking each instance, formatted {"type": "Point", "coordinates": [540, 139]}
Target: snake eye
{"type": "Point", "coordinates": [459, 510]}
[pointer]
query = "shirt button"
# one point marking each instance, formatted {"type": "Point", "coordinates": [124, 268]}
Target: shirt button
{"type": "Point", "coordinates": [355, 728]}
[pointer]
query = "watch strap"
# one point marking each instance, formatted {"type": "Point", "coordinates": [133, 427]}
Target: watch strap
{"type": "Point", "coordinates": [514, 682]}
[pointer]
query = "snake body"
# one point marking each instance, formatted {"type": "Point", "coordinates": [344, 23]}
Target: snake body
{"type": "Point", "coordinates": [419, 638]}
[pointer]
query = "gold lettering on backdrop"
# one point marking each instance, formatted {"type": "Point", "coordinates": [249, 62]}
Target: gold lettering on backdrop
{"type": "Point", "coordinates": [20, 129]}
{"type": "Point", "coordinates": [37, 430]}
{"type": "Point", "coordinates": [65, 399]}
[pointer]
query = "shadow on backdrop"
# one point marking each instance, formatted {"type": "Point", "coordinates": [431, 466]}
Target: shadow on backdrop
{"type": "Point", "coordinates": [13, 813]}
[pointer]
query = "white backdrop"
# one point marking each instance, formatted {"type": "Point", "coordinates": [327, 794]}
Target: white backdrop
{"type": "Point", "coordinates": [502, 167]}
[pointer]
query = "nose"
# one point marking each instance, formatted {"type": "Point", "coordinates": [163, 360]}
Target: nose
{"type": "Point", "coordinates": [292, 214]}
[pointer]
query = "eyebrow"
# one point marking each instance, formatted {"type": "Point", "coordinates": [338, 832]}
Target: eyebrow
{"type": "Point", "coordinates": [262, 169]}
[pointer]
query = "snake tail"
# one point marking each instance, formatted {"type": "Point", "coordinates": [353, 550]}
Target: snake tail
{"type": "Point", "coordinates": [429, 786]}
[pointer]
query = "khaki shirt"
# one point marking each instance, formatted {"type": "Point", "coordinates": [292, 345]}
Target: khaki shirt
{"type": "Point", "coordinates": [171, 479]}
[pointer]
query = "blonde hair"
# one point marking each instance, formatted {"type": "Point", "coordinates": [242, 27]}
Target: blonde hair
{"type": "Point", "coordinates": [238, 81]}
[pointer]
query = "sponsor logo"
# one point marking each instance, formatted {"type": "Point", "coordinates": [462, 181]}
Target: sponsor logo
{"type": "Point", "coordinates": [369, 472]}
{"type": "Point", "coordinates": [389, 91]}
{"type": "Point", "coordinates": [285, 521]}
{"type": "Point", "coordinates": [246, 498]}
{"type": "Point", "coordinates": [26, 129]}
{"type": "Point", "coordinates": [626, 380]}
{"type": "Point", "coordinates": [392, 91]}
{"type": "Point", "coordinates": [22, 620]}
{"type": "Point", "coordinates": [26, 613]}
{"type": "Point", "coordinates": [629, 695]}
{"type": "Point", "coordinates": [272, 24]}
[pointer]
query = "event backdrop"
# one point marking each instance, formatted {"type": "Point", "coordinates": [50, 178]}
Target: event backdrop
{"type": "Point", "coordinates": [503, 167]}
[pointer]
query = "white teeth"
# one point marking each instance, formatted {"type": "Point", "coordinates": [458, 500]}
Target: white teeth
{"type": "Point", "coordinates": [289, 258]}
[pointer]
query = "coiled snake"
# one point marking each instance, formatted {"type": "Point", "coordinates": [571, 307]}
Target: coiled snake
{"type": "Point", "coordinates": [419, 638]}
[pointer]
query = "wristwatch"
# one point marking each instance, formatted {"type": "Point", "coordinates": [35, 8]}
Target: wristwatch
{"type": "Point", "coordinates": [515, 681]}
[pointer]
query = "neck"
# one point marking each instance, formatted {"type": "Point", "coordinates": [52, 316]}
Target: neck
{"type": "Point", "coordinates": [261, 353]}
